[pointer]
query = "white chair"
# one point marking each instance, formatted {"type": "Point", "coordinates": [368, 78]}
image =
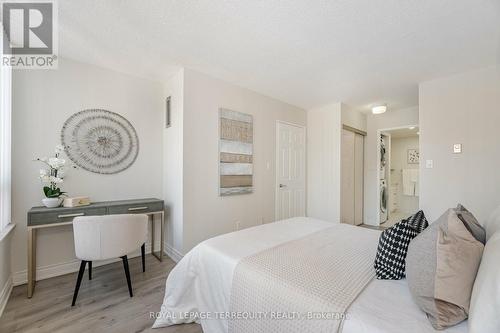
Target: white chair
{"type": "Point", "coordinates": [108, 237]}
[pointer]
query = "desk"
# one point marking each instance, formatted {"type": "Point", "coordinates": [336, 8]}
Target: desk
{"type": "Point", "coordinates": [42, 217]}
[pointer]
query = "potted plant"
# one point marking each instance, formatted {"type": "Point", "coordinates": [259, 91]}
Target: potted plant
{"type": "Point", "coordinates": [52, 176]}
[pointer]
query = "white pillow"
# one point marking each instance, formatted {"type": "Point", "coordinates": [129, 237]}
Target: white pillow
{"type": "Point", "coordinates": [485, 300]}
{"type": "Point", "coordinates": [492, 225]}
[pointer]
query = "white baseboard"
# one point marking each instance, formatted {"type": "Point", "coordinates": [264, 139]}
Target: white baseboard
{"type": "Point", "coordinates": [72, 266]}
{"type": "Point", "coordinates": [172, 253]}
{"type": "Point", "coordinates": [5, 294]}
{"type": "Point", "coordinates": [49, 271]}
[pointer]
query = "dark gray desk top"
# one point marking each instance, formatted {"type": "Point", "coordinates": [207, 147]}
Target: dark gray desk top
{"type": "Point", "coordinates": [43, 209]}
{"type": "Point", "coordinates": [38, 216]}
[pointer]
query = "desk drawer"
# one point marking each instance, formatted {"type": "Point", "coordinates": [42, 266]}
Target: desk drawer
{"type": "Point", "coordinates": [136, 208]}
{"type": "Point", "coordinates": [63, 216]}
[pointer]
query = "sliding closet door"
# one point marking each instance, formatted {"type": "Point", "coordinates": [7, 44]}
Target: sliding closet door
{"type": "Point", "coordinates": [352, 161]}
{"type": "Point", "coordinates": [348, 175]}
{"type": "Point", "coordinates": [359, 142]}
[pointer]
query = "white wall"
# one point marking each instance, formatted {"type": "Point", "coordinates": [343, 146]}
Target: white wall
{"type": "Point", "coordinates": [465, 109]}
{"type": "Point", "coordinates": [173, 164]}
{"type": "Point", "coordinates": [206, 214]}
{"type": "Point", "coordinates": [5, 271]}
{"type": "Point", "coordinates": [390, 119]}
{"type": "Point", "coordinates": [399, 161]}
{"type": "Point", "coordinates": [42, 101]}
{"type": "Point", "coordinates": [353, 118]}
{"type": "Point", "coordinates": [323, 162]}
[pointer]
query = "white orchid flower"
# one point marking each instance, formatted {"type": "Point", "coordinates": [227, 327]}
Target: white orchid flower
{"type": "Point", "coordinates": [55, 166]}
{"type": "Point", "coordinates": [55, 180]}
{"type": "Point", "coordinates": [53, 162]}
{"type": "Point", "coordinates": [56, 163]}
{"type": "Point", "coordinates": [45, 178]}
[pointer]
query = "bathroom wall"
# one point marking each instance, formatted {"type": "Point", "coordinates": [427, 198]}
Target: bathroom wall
{"type": "Point", "coordinates": [399, 161]}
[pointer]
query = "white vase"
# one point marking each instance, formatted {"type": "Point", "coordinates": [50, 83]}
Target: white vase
{"type": "Point", "coordinates": [52, 202]}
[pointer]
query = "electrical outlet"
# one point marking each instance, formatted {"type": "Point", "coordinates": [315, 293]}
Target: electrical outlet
{"type": "Point", "coordinates": [457, 148]}
{"type": "Point", "coordinates": [429, 164]}
{"type": "Point", "coordinates": [237, 225]}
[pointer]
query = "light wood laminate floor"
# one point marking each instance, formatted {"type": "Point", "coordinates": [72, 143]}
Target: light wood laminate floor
{"type": "Point", "coordinates": [103, 304]}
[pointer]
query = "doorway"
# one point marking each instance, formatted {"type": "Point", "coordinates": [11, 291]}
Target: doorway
{"type": "Point", "coordinates": [290, 170]}
{"type": "Point", "coordinates": [398, 174]}
{"type": "Point", "coordinates": [352, 179]}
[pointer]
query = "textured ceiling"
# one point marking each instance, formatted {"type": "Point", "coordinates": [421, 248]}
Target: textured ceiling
{"type": "Point", "coordinates": [305, 52]}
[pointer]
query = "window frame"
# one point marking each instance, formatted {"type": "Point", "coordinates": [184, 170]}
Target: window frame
{"type": "Point", "coordinates": [6, 224]}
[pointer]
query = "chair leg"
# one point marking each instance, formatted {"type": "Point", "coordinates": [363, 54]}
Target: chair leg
{"type": "Point", "coordinates": [127, 274]}
{"type": "Point", "coordinates": [78, 281]}
{"type": "Point", "coordinates": [90, 270]}
{"type": "Point", "coordinates": [143, 254]}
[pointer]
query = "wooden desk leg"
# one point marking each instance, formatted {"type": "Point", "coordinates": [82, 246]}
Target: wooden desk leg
{"type": "Point", "coordinates": [31, 261]}
{"type": "Point", "coordinates": [158, 256]}
{"type": "Point", "coordinates": [153, 235]}
{"type": "Point", "coordinates": [162, 230]}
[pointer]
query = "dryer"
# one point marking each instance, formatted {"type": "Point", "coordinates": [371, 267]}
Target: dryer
{"type": "Point", "coordinates": [383, 157]}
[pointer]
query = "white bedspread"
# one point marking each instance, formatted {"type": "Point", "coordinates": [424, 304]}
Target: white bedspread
{"type": "Point", "coordinates": [201, 284]}
{"type": "Point", "coordinates": [319, 274]}
{"type": "Point", "coordinates": [202, 280]}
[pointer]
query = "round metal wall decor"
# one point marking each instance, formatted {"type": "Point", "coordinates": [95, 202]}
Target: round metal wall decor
{"type": "Point", "coordinates": [100, 141]}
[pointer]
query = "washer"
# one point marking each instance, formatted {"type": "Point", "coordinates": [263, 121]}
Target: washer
{"type": "Point", "coordinates": [383, 201]}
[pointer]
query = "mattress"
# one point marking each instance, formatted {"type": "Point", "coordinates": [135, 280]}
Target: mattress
{"type": "Point", "coordinates": [201, 283]}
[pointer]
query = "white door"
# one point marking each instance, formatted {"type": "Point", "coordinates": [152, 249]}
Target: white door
{"type": "Point", "coordinates": [290, 171]}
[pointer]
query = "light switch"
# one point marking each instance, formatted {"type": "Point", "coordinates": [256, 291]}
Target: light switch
{"type": "Point", "coordinates": [429, 164]}
{"type": "Point", "coordinates": [457, 148]}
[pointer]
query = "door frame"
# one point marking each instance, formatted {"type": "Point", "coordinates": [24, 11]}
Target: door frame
{"type": "Point", "coordinates": [276, 164]}
{"type": "Point", "coordinates": [379, 133]}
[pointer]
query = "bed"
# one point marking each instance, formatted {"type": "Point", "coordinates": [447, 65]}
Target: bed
{"type": "Point", "coordinates": [199, 288]}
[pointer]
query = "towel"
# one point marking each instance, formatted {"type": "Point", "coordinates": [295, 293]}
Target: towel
{"type": "Point", "coordinates": [408, 185]}
{"type": "Point", "coordinates": [414, 179]}
{"type": "Point", "coordinates": [414, 175]}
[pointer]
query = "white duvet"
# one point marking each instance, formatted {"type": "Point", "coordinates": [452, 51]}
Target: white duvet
{"type": "Point", "coordinates": [198, 288]}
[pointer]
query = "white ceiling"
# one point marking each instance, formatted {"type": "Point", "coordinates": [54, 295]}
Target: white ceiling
{"type": "Point", "coordinates": [305, 52]}
{"type": "Point", "coordinates": [403, 132]}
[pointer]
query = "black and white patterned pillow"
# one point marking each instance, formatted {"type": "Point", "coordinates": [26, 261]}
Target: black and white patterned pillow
{"type": "Point", "coordinates": [418, 221]}
{"type": "Point", "coordinates": [393, 246]}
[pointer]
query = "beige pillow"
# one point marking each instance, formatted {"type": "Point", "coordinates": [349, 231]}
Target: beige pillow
{"type": "Point", "coordinates": [441, 267]}
{"type": "Point", "coordinates": [471, 223]}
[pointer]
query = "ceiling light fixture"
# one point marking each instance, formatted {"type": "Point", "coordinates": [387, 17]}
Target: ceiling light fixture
{"type": "Point", "coordinates": [379, 109]}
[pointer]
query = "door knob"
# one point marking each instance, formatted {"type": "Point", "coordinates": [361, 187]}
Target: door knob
{"type": "Point", "coordinates": [282, 185]}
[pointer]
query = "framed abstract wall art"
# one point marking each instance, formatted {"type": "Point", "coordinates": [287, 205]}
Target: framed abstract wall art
{"type": "Point", "coordinates": [413, 156]}
{"type": "Point", "coordinates": [235, 153]}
